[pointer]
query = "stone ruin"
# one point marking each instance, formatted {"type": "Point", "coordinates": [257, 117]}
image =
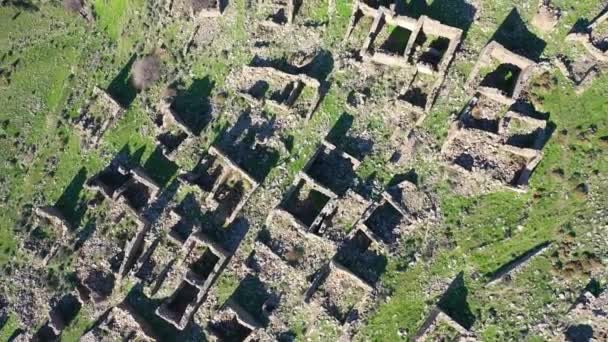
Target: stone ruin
{"type": "Point", "coordinates": [196, 269]}
{"type": "Point", "coordinates": [120, 323]}
{"type": "Point", "coordinates": [286, 250]}
{"type": "Point", "coordinates": [430, 46]}
{"type": "Point", "coordinates": [487, 154]}
{"type": "Point", "coordinates": [51, 226]}
{"type": "Point", "coordinates": [583, 69]}
{"type": "Point", "coordinates": [336, 224]}
{"type": "Point", "coordinates": [277, 12]}
{"type": "Point", "coordinates": [196, 9]}
{"type": "Point", "coordinates": [438, 326]}
{"type": "Point", "coordinates": [324, 240]}
{"type": "Point", "coordinates": [173, 131]}
{"type": "Point", "coordinates": [321, 238]}
{"type": "Point", "coordinates": [179, 265]}
{"type": "Point", "coordinates": [362, 255]}
{"type": "Point", "coordinates": [306, 258]}
{"type": "Point", "coordinates": [587, 320]}
{"type": "Point", "coordinates": [514, 266]}
{"type": "Point", "coordinates": [54, 217]}
{"type": "Point", "coordinates": [101, 114]}
{"type": "Point", "coordinates": [364, 8]}
{"type": "Point", "coordinates": [161, 250]}
{"type": "Point", "coordinates": [64, 311]}
{"type": "Point", "coordinates": [310, 239]}
{"type": "Point", "coordinates": [105, 260]}
{"type": "Point", "coordinates": [594, 37]}
{"type": "Point", "coordinates": [492, 141]}
{"type": "Point", "coordinates": [261, 301]}
{"type": "Point", "coordinates": [174, 260]}
{"type": "Point", "coordinates": [340, 292]}
{"type": "Point", "coordinates": [327, 175]}
{"type": "Point", "coordinates": [283, 254]}
{"type": "Point", "coordinates": [500, 74]}
{"type": "Point", "coordinates": [125, 187]}
{"type": "Point", "coordinates": [249, 308]}
{"type": "Point", "coordinates": [427, 49]}
{"type": "Point", "coordinates": [546, 17]}
{"type": "Point", "coordinates": [180, 227]}
{"type": "Point", "coordinates": [226, 185]}
{"type": "Point", "coordinates": [447, 321]}
{"type": "Point", "coordinates": [232, 323]}
{"type": "Point", "coordinates": [331, 169]}
{"type": "Point", "coordinates": [288, 93]}
{"type": "Point", "coordinates": [399, 209]}
{"type": "Point", "coordinates": [304, 252]}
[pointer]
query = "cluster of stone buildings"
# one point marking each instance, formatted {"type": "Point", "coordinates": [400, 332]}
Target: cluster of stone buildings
{"type": "Point", "coordinates": [323, 246]}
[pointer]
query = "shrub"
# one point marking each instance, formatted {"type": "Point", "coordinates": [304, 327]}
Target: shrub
{"type": "Point", "coordinates": [146, 71]}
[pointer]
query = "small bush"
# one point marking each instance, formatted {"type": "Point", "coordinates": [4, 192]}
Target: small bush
{"type": "Point", "coordinates": [73, 5]}
{"type": "Point", "coordinates": [146, 71]}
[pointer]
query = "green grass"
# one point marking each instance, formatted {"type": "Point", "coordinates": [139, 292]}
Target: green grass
{"type": "Point", "coordinates": [490, 230]}
{"type": "Point", "coordinates": [46, 151]}
{"type": "Point", "coordinates": [226, 285]}
{"type": "Point", "coordinates": [9, 328]}
{"type": "Point", "coordinates": [38, 86]}
{"type": "Point", "coordinates": [78, 326]}
{"type": "Point", "coordinates": [112, 15]}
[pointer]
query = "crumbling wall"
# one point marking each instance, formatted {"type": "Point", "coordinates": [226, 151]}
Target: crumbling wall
{"type": "Point", "coordinates": [100, 115]}
{"type": "Point", "coordinates": [117, 324]}
{"type": "Point", "coordinates": [518, 263]}
{"type": "Point", "coordinates": [283, 91]}
{"type": "Point", "coordinates": [491, 142]}
{"type": "Point", "coordinates": [586, 38]}
{"type": "Point", "coordinates": [186, 276]}
{"type": "Point", "coordinates": [428, 60]}
{"type": "Point", "coordinates": [496, 52]}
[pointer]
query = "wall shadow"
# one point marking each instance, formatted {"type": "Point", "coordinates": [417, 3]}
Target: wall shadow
{"type": "Point", "coordinates": [356, 146]}
{"type": "Point", "coordinates": [128, 157]}
{"type": "Point", "coordinates": [514, 263]}
{"type": "Point", "coordinates": [230, 237]}
{"type": "Point", "coordinates": [410, 176]}
{"type": "Point", "coordinates": [320, 67]}
{"type": "Point", "coordinates": [23, 5]}
{"type": "Point", "coordinates": [3, 311]}
{"type": "Point", "coordinates": [594, 287]}
{"type": "Point", "coordinates": [454, 302]}
{"type": "Point", "coordinates": [579, 333]}
{"type": "Point", "coordinates": [190, 208]}
{"type": "Point", "coordinates": [514, 35]}
{"type": "Point", "coordinates": [121, 89]}
{"type": "Point", "coordinates": [193, 104]}
{"type": "Point", "coordinates": [455, 13]}
{"type": "Point", "coordinates": [146, 307]}
{"type": "Point", "coordinates": [70, 202]}
{"type": "Point", "coordinates": [84, 234]}
{"type": "Point", "coordinates": [161, 169]}
{"type": "Point", "coordinates": [356, 256]}
{"type": "Point", "coordinates": [163, 199]}
{"type": "Point", "coordinates": [242, 143]}
{"type": "Point", "coordinates": [251, 294]}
